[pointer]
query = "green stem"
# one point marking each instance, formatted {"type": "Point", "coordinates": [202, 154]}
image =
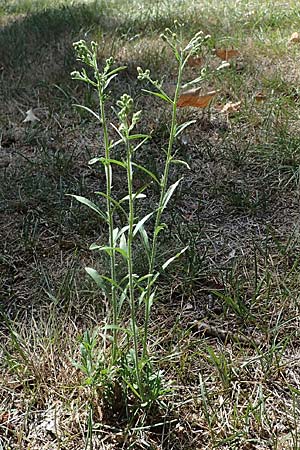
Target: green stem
{"type": "Point", "coordinates": [164, 185]}
{"type": "Point", "coordinates": [108, 174]}
{"type": "Point", "coordinates": [130, 268]}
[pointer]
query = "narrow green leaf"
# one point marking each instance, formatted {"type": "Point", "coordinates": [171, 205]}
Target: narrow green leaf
{"type": "Point", "coordinates": [115, 235]}
{"type": "Point", "coordinates": [183, 126]}
{"type": "Point", "coordinates": [130, 385]}
{"type": "Point", "coordinates": [197, 80]}
{"type": "Point", "coordinates": [141, 223]}
{"type": "Point", "coordinates": [90, 204]}
{"type": "Point", "coordinates": [144, 277]}
{"type": "Point", "coordinates": [165, 265]}
{"type": "Point", "coordinates": [105, 278]}
{"type": "Point", "coordinates": [113, 201]}
{"type": "Point", "coordinates": [94, 161]}
{"type": "Point", "coordinates": [135, 196]}
{"type": "Point", "coordinates": [123, 230]}
{"type": "Point", "coordinates": [151, 174]}
{"type": "Point", "coordinates": [118, 163]}
{"type": "Point", "coordinates": [107, 161]}
{"type": "Point", "coordinates": [145, 240]}
{"type": "Point", "coordinates": [142, 297]}
{"type": "Point", "coordinates": [162, 96]}
{"type": "Point", "coordinates": [123, 244]}
{"type": "Point", "coordinates": [140, 144]}
{"type": "Point", "coordinates": [109, 80]}
{"type": "Point", "coordinates": [150, 301]}
{"type": "Point", "coordinates": [107, 249]}
{"type": "Point", "coordinates": [169, 193]}
{"type": "Point", "coordinates": [159, 228]}
{"type": "Point", "coordinates": [96, 277]}
{"type": "Point", "coordinates": [94, 246]}
{"type": "Point", "coordinates": [179, 161]}
{"type": "Point", "coordinates": [116, 70]}
{"type": "Point", "coordinates": [122, 298]}
{"type": "Point", "coordinates": [89, 110]}
{"type": "Point", "coordinates": [132, 137]}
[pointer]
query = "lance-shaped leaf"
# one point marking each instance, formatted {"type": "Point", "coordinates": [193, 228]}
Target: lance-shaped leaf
{"type": "Point", "coordinates": [183, 126]}
{"type": "Point", "coordinates": [113, 201]}
{"type": "Point", "coordinates": [106, 161]}
{"type": "Point", "coordinates": [165, 265]}
{"type": "Point", "coordinates": [109, 250]}
{"type": "Point", "coordinates": [132, 137]}
{"type": "Point", "coordinates": [169, 193]}
{"type": "Point", "coordinates": [203, 75]}
{"type": "Point", "coordinates": [149, 299]}
{"type": "Point", "coordinates": [123, 243]}
{"type": "Point", "coordinates": [97, 278]}
{"type": "Point", "coordinates": [160, 95]}
{"type": "Point", "coordinates": [88, 110]}
{"type": "Point", "coordinates": [135, 196]}
{"type": "Point", "coordinates": [105, 278]}
{"type": "Point", "coordinates": [179, 161]}
{"type": "Point", "coordinates": [148, 172]}
{"type": "Point", "coordinates": [141, 223]}
{"type": "Point", "coordinates": [90, 204]}
{"type": "Point", "coordinates": [145, 241]}
{"type": "Point", "coordinates": [115, 234]}
{"type": "Point", "coordinates": [159, 228]}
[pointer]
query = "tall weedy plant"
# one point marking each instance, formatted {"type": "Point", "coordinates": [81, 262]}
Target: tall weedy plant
{"type": "Point", "coordinates": [131, 364]}
{"type": "Point", "coordinates": [182, 55]}
{"type": "Point", "coordinates": [101, 81]}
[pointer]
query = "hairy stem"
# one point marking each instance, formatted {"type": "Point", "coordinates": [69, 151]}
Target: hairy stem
{"type": "Point", "coordinates": [108, 174]}
{"type": "Point", "coordinates": [164, 186]}
{"type": "Point", "coordinates": [130, 268]}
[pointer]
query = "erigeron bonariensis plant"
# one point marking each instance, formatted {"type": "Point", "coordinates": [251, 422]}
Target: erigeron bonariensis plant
{"type": "Point", "coordinates": [133, 363]}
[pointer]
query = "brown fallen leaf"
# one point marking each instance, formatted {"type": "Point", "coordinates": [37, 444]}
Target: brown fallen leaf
{"type": "Point", "coordinates": [295, 38]}
{"type": "Point", "coordinates": [195, 61]}
{"type": "Point", "coordinates": [259, 97]}
{"type": "Point", "coordinates": [226, 54]}
{"type": "Point", "coordinates": [193, 98]}
{"type": "Point", "coordinates": [231, 108]}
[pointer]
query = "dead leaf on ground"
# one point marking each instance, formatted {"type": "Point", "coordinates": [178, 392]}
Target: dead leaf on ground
{"type": "Point", "coordinates": [259, 97]}
{"type": "Point", "coordinates": [226, 54]}
{"type": "Point", "coordinates": [31, 117]}
{"type": "Point", "coordinates": [195, 61]}
{"type": "Point", "coordinates": [5, 420]}
{"type": "Point", "coordinates": [193, 98]}
{"type": "Point", "coordinates": [295, 38]}
{"type": "Point", "coordinates": [231, 108]}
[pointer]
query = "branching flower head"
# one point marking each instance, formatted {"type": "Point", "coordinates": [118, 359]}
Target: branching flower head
{"type": "Point", "coordinates": [84, 54]}
{"type": "Point", "coordinates": [143, 74]}
{"type": "Point", "coordinates": [127, 118]}
{"type": "Point", "coordinates": [125, 104]}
